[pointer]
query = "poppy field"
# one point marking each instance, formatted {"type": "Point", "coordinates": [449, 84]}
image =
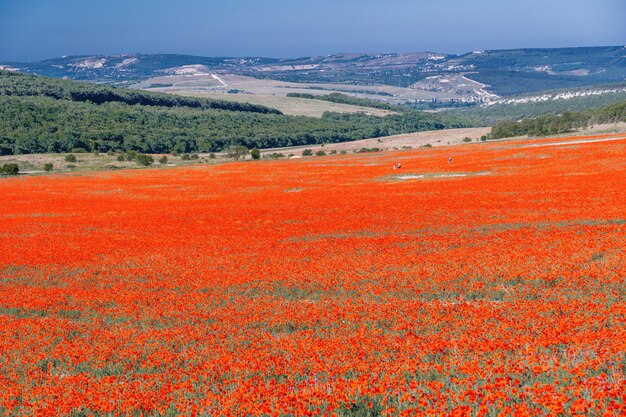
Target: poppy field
{"type": "Point", "coordinates": [477, 280]}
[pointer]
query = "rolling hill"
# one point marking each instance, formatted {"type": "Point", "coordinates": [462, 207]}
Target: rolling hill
{"type": "Point", "coordinates": [473, 76]}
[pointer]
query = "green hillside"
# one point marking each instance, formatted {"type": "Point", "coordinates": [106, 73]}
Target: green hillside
{"type": "Point", "coordinates": [39, 115]}
{"type": "Point", "coordinates": [495, 113]}
{"type": "Point", "coordinates": [554, 124]}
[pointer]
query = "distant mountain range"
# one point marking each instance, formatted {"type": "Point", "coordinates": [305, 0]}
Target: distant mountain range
{"type": "Point", "coordinates": [503, 72]}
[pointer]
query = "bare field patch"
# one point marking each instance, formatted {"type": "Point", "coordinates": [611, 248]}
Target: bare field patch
{"type": "Point", "coordinates": [432, 176]}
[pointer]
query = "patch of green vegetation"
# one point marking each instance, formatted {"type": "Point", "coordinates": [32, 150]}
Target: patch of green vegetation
{"type": "Point", "coordinates": [346, 99]}
{"type": "Point", "coordinates": [160, 85]}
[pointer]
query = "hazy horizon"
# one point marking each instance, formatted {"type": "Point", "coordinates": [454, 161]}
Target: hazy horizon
{"type": "Point", "coordinates": [300, 56]}
{"type": "Point", "coordinates": [35, 30]}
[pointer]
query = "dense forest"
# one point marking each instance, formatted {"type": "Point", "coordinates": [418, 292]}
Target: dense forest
{"type": "Point", "coordinates": [563, 123]}
{"type": "Point", "coordinates": [39, 115]}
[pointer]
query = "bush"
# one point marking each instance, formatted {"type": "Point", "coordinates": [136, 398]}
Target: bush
{"type": "Point", "coordinates": [9, 169]}
{"type": "Point", "coordinates": [307, 152]}
{"type": "Point", "coordinates": [212, 155]}
{"type": "Point", "coordinates": [70, 158]}
{"type": "Point", "coordinates": [145, 160]}
{"type": "Point", "coordinates": [255, 153]}
{"type": "Point", "coordinates": [194, 156]}
{"type": "Point", "coordinates": [236, 151]}
{"type": "Point", "coordinates": [366, 150]}
{"type": "Point", "coordinates": [185, 157]}
{"type": "Point", "coordinates": [48, 167]}
{"type": "Point", "coordinates": [79, 150]}
{"type": "Point", "coordinates": [467, 139]}
{"type": "Point", "coordinates": [320, 153]}
{"type": "Point", "coordinates": [121, 157]}
{"type": "Point", "coordinates": [163, 160]}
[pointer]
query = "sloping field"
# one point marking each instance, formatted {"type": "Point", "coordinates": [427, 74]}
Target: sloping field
{"type": "Point", "coordinates": [213, 83]}
{"type": "Point", "coordinates": [291, 105]}
{"type": "Point", "coordinates": [426, 138]}
{"type": "Point", "coordinates": [334, 285]}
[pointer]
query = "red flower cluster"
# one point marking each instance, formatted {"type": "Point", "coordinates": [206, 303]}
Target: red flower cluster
{"type": "Point", "coordinates": [494, 284]}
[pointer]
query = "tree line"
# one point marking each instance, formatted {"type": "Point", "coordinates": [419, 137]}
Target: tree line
{"type": "Point", "coordinates": [346, 99]}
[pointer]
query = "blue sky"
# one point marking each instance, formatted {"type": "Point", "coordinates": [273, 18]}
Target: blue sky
{"type": "Point", "coordinates": [32, 30]}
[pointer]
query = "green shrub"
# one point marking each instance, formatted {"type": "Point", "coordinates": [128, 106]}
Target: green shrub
{"type": "Point", "coordinates": [79, 150]}
{"type": "Point", "coordinates": [9, 169]}
{"type": "Point", "coordinates": [307, 152]}
{"type": "Point", "coordinates": [212, 155]}
{"type": "Point", "coordinates": [320, 153]}
{"type": "Point", "coordinates": [185, 157]}
{"type": "Point", "coordinates": [194, 156]}
{"type": "Point", "coordinates": [48, 167]}
{"type": "Point", "coordinates": [70, 158]}
{"type": "Point", "coordinates": [467, 139]}
{"type": "Point", "coordinates": [163, 160]}
{"type": "Point", "coordinates": [121, 157]}
{"type": "Point", "coordinates": [145, 160]}
{"type": "Point", "coordinates": [255, 153]}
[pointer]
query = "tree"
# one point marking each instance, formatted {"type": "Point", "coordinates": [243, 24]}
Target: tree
{"type": "Point", "coordinates": [9, 169]}
{"type": "Point", "coordinates": [255, 153]}
{"type": "Point", "coordinates": [143, 159]}
{"type": "Point", "coordinates": [236, 151]}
